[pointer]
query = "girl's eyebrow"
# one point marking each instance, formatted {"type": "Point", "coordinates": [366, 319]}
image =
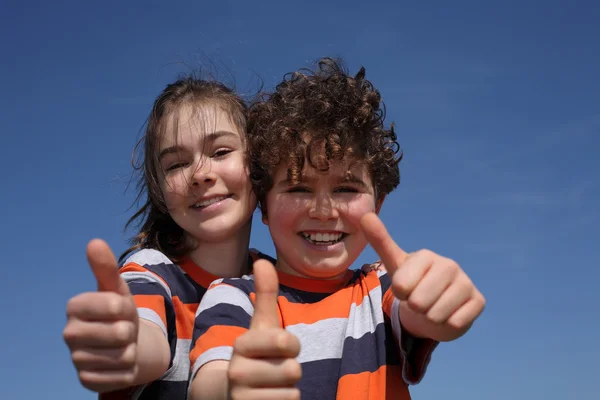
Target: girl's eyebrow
{"type": "Point", "coordinates": [210, 137]}
{"type": "Point", "coordinates": [215, 135]}
{"type": "Point", "coordinates": [169, 150]}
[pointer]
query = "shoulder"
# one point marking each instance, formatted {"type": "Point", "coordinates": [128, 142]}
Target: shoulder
{"type": "Point", "coordinates": [147, 257]}
{"type": "Point", "coordinates": [244, 284]}
{"type": "Point", "coordinates": [153, 266]}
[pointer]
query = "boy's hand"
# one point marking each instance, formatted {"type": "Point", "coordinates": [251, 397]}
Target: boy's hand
{"type": "Point", "coordinates": [102, 326]}
{"type": "Point", "coordinates": [439, 301]}
{"type": "Point", "coordinates": [263, 365]}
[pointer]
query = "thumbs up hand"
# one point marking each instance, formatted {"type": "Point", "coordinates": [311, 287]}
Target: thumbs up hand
{"type": "Point", "coordinates": [263, 365]}
{"type": "Point", "coordinates": [438, 300]}
{"type": "Point", "coordinates": [102, 326]}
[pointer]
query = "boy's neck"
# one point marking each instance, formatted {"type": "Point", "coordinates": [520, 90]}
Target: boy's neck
{"type": "Point", "coordinates": [282, 266]}
{"type": "Point", "coordinates": [225, 259]}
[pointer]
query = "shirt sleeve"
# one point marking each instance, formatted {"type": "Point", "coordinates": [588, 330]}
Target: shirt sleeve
{"type": "Point", "coordinates": [222, 316]}
{"type": "Point", "coordinates": [151, 293]}
{"type": "Point", "coordinates": [415, 352]}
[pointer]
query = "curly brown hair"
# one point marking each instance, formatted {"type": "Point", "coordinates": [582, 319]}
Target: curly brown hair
{"type": "Point", "coordinates": [319, 116]}
{"type": "Point", "coordinates": [157, 230]}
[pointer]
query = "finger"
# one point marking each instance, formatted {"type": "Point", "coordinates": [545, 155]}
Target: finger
{"type": "Point", "coordinates": [83, 334]}
{"type": "Point", "coordinates": [267, 372]}
{"type": "Point", "coordinates": [449, 302]}
{"type": "Point", "coordinates": [105, 268]}
{"type": "Point", "coordinates": [101, 306]}
{"type": "Point", "coordinates": [105, 359]}
{"type": "Point", "coordinates": [390, 253]}
{"type": "Point", "coordinates": [466, 315]}
{"type": "Point", "coordinates": [407, 278]}
{"type": "Point", "coordinates": [267, 343]}
{"type": "Point", "coordinates": [430, 287]}
{"type": "Point", "coordinates": [104, 381]}
{"type": "Point", "coordinates": [266, 287]}
{"type": "Point", "coordinates": [264, 393]}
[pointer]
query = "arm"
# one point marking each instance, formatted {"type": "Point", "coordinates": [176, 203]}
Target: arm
{"type": "Point", "coordinates": [154, 353]}
{"type": "Point", "coordinates": [229, 326]}
{"type": "Point", "coordinates": [211, 382]}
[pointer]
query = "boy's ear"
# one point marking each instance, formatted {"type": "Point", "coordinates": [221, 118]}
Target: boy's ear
{"type": "Point", "coordinates": [379, 204]}
{"type": "Point", "coordinates": [264, 218]}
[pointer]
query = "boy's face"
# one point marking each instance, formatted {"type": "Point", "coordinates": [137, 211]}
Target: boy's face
{"type": "Point", "coordinates": [315, 225]}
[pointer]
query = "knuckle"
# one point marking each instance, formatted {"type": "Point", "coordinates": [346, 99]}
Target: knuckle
{"type": "Point", "coordinates": [87, 381]}
{"type": "Point", "coordinates": [436, 317]}
{"type": "Point", "coordinates": [123, 332]}
{"type": "Point", "coordinates": [236, 393]}
{"type": "Point", "coordinates": [68, 334]}
{"type": "Point", "coordinates": [128, 378]}
{"type": "Point", "coordinates": [129, 356]}
{"type": "Point", "coordinates": [292, 370]}
{"type": "Point", "coordinates": [235, 374]}
{"type": "Point", "coordinates": [294, 394]}
{"type": "Point", "coordinates": [425, 253]}
{"type": "Point", "coordinates": [78, 357]}
{"type": "Point", "coordinates": [417, 304]}
{"type": "Point", "coordinates": [457, 323]}
{"type": "Point", "coordinates": [114, 307]}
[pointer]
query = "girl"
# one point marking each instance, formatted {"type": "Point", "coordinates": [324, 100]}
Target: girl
{"type": "Point", "coordinates": [131, 338]}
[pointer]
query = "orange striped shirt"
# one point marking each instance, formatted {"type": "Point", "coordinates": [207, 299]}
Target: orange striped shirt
{"type": "Point", "coordinates": [352, 343]}
{"type": "Point", "coordinates": [167, 294]}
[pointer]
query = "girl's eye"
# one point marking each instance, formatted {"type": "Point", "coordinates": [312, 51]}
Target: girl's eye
{"type": "Point", "coordinates": [221, 153]}
{"type": "Point", "coordinates": [174, 166]}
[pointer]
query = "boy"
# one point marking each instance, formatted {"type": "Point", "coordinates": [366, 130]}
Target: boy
{"type": "Point", "coordinates": [322, 164]}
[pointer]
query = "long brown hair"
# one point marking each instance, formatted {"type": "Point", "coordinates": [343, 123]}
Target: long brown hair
{"type": "Point", "coordinates": [157, 230]}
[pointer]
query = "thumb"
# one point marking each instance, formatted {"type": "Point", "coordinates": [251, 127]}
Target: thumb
{"type": "Point", "coordinates": [104, 266]}
{"type": "Point", "coordinates": [266, 288]}
{"type": "Point", "coordinates": [390, 253]}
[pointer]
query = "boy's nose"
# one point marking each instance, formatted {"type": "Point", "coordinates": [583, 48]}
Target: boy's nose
{"type": "Point", "coordinates": [323, 208]}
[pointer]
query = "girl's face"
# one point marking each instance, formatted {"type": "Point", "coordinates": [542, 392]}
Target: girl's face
{"type": "Point", "coordinates": [203, 173]}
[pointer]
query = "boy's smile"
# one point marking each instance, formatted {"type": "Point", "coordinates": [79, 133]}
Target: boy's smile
{"type": "Point", "coordinates": [315, 223]}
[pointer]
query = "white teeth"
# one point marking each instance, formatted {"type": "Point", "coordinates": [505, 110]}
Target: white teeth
{"type": "Point", "coordinates": [322, 237]}
{"type": "Point", "coordinates": [208, 202]}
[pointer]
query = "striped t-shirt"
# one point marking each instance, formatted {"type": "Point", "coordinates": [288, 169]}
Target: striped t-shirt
{"type": "Point", "coordinates": [352, 345]}
{"type": "Point", "coordinates": [167, 294]}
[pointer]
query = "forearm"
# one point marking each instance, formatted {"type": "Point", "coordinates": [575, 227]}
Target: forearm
{"type": "Point", "coordinates": [417, 325]}
{"type": "Point", "coordinates": [153, 353]}
{"type": "Point", "coordinates": [211, 382]}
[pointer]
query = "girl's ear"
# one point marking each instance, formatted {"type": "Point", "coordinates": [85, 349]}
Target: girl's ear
{"type": "Point", "coordinates": [379, 204]}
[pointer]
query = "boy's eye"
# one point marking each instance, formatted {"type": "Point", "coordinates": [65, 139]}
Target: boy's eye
{"type": "Point", "coordinates": [221, 153]}
{"type": "Point", "coordinates": [297, 189]}
{"type": "Point", "coordinates": [346, 189]}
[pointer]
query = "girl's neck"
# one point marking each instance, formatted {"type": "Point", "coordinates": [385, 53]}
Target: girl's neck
{"type": "Point", "coordinates": [227, 258]}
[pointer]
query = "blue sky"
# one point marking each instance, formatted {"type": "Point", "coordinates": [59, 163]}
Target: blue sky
{"type": "Point", "coordinates": [497, 106]}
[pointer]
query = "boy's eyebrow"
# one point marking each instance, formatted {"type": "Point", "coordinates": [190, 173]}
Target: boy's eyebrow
{"type": "Point", "coordinates": [348, 178]}
{"type": "Point", "coordinates": [351, 178]}
{"type": "Point", "coordinates": [210, 137]}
